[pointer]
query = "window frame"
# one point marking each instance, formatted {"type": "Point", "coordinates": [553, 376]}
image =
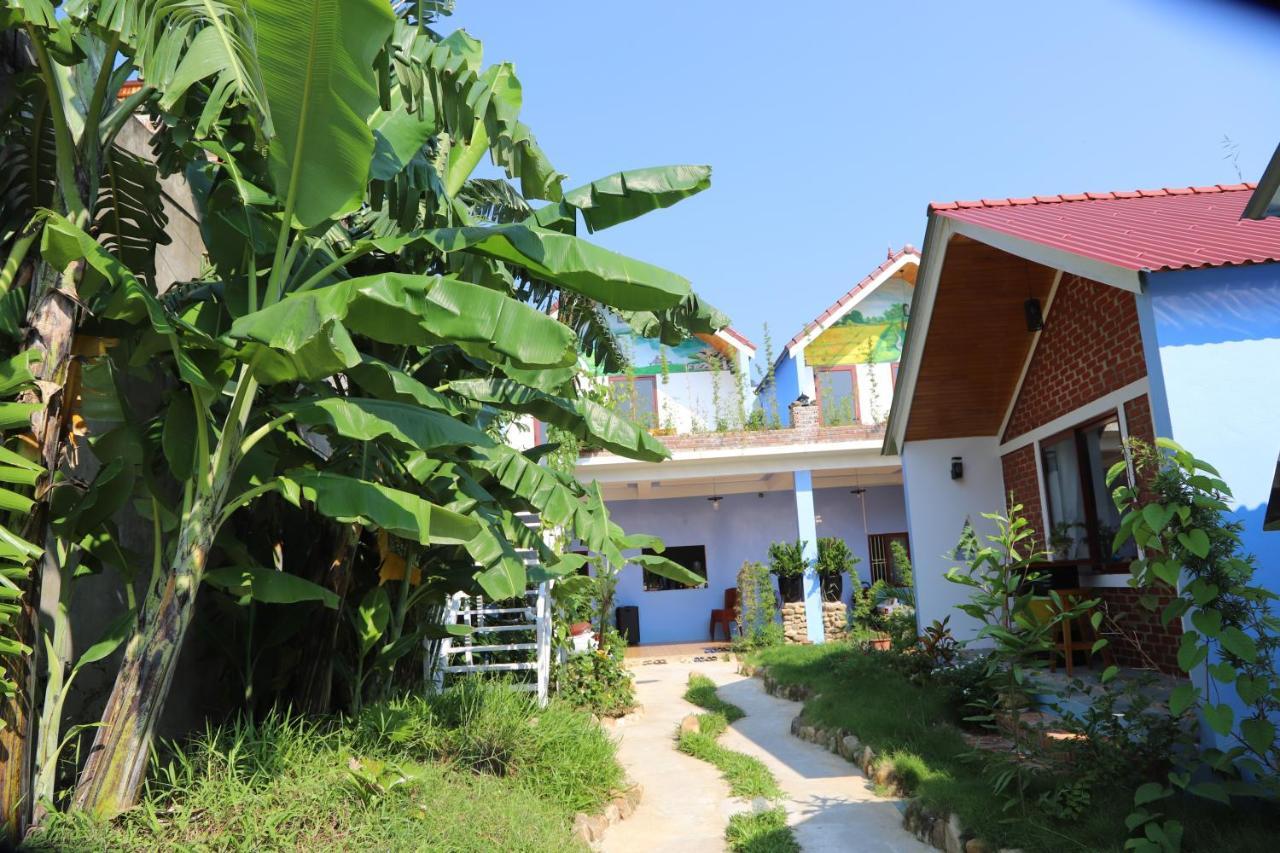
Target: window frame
{"type": "Point", "coordinates": [645, 573]}
{"type": "Point", "coordinates": [635, 381]}
{"type": "Point", "coordinates": [1092, 531]}
{"type": "Point", "coordinates": [852, 370]}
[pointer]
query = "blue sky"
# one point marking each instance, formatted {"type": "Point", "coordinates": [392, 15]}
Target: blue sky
{"type": "Point", "coordinates": [831, 125]}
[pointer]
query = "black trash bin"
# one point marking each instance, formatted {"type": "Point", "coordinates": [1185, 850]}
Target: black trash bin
{"type": "Point", "coordinates": [628, 618]}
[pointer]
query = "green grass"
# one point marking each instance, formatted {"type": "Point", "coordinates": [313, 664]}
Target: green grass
{"type": "Point", "coordinates": [916, 728]}
{"type": "Point", "coordinates": [761, 832]}
{"type": "Point", "coordinates": [702, 692]}
{"type": "Point", "coordinates": [747, 776]}
{"type": "Point", "coordinates": [478, 768]}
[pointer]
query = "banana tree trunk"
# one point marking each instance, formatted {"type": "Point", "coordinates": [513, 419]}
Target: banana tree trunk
{"type": "Point", "coordinates": [51, 323]}
{"type": "Point", "coordinates": [117, 762]}
{"type": "Point", "coordinates": [314, 682]}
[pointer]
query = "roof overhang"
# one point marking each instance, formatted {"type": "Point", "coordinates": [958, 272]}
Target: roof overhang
{"type": "Point", "coordinates": [731, 461]}
{"type": "Point", "coordinates": [967, 342]}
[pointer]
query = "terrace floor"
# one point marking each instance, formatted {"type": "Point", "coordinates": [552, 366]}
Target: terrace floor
{"type": "Point", "coordinates": [695, 652]}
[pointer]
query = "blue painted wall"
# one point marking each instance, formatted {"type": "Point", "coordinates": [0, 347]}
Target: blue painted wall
{"type": "Point", "coordinates": [787, 379]}
{"type": "Point", "coordinates": [1218, 336]}
{"type": "Point", "coordinates": [741, 530]}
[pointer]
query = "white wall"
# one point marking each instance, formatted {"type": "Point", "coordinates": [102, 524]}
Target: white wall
{"type": "Point", "coordinates": [875, 392]}
{"type": "Point", "coordinates": [937, 508]}
{"type": "Point", "coordinates": [840, 514]}
{"type": "Point", "coordinates": [687, 400]}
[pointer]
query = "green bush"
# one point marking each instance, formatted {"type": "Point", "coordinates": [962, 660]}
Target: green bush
{"type": "Point", "coordinates": [758, 625]}
{"type": "Point", "coordinates": [834, 559]}
{"type": "Point", "coordinates": [479, 767]}
{"type": "Point", "coordinates": [597, 681]}
{"type": "Point", "coordinates": [787, 561]}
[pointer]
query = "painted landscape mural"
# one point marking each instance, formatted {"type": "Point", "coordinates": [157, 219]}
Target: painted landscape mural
{"type": "Point", "coordinates": [872, 332]}
{"type": "Point", "coordinates": [646, 354]}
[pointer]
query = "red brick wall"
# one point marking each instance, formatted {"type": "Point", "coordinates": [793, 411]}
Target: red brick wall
{"type": "Point", "coordinates": [1137, 413]}
{"type": "Point", "coordinates": [1021, 482]}
{"type": "Point", "coordinates": [1139, 640]}
{"type": "Point", "coordinates": [1090, 346]}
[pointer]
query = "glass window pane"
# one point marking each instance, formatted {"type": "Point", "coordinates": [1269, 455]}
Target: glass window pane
{"type": "Point", "coordinates": [1068, 532]}
{"type": "Point", "coordinates": [635, 398]}
{"type": "Point", "coordinates": [835, 391]}
{"type": "Point", "coordinates": [1105, 448]}
{"type": "Point", "coordinates": [692, 557]}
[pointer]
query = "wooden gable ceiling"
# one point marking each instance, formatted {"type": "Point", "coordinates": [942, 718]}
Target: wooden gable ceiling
{"type": "Point", "coordinates": [977, 341]}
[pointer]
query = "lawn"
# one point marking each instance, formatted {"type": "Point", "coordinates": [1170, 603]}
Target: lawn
{"type": "Point", "coordinates": [478, 768]}
{"type": "Point", "coordinates": [917, 728]}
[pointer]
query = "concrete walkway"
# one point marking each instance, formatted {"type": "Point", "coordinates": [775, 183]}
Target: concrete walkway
{"type": "Point", "coordinates": [686, 805]}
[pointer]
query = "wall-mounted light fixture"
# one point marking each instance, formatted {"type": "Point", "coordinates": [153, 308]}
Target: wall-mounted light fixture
{"type": "Point", "coordinates": [957, 468]}
{"type": "Point", "coordinates": [1035, 316]}
{"type": "Point", "coordinates": [715, 502]}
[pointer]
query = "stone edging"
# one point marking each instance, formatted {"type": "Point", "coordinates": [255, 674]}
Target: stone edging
{"type": "Point", "coordinates": [590, 828]}
{"type": "Point", "coordinates": [942, 831]}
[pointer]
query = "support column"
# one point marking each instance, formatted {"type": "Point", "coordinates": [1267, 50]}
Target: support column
{"type": "Point", "coordinates": [808, 528]}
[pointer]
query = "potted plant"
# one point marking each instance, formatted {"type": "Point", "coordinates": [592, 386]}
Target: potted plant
{"type": "Point", "coordinates": [787, 562]}
{"type": "Point", "coordinates": [834, 559]}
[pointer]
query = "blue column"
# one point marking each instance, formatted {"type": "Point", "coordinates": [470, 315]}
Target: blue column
{"type": "Point", "coordinates": [808, 528]}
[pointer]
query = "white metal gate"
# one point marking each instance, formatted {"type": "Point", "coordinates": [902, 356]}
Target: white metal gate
{"type": "Point", "coordinates": [474, 652]}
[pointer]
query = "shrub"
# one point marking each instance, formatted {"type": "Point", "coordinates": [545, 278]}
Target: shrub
{"type": "Point", "coordinates": [787, 561]}
{"type": "Point", "coordinates": [597, 681]}
{"type": "Point", "coordinates": [834, 559]}
{"type": "Point", "coordinates": [758, 625]}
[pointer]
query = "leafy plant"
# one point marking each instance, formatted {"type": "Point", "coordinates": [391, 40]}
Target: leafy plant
{"type": "Point", "coordinates": [788, 562]}
{"type": "Point", "coordinates": [1001, 578]}
{"type": "Point", "coordinates": [597, 680]}
{"type": "Point", "coordinates": [757, 617]}
{"type": "Point", "coordinates": [835, 559]}
{"type": "Point", "coordinates": [1190, 552]}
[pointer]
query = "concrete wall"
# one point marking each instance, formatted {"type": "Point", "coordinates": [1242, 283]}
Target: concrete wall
{"type": "Point", "coordinates": [937, 509]}
{"type": "Point", "coordinates": [688, 401]}
{"type": "Point", "coordinates": [741, 530]}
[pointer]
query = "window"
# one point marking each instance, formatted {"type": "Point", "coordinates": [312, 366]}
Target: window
{"type": "Point", "coordinates": [1083, 519]}
{"type": "Point", "coordinates": [884, 567]}
{"type": "Point", "coordinates": [692, 557]}
{"type": "Point", "coordinates": [838, 395]}
{"type": "Point", "coordinates": [636, 398]}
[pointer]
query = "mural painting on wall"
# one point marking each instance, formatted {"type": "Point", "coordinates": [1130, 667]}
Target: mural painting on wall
{"type": "Point", "coordinates": [646, 354]}
{"type": "Point", "coordinates": [872, 332]}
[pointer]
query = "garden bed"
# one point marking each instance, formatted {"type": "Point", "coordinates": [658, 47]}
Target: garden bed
{"type": "Point", "coordinates": [918, 738]}
{"type": "Point", "coordinates": [479, 767]}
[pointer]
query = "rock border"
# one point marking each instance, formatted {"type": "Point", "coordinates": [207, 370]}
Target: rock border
{"type": "Point", "coordinates": [590, 828]}
{"type": "Point", "coordinates": [942, 831]}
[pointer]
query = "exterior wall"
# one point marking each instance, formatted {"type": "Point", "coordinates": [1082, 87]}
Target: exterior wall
{"type": "Point", "coordinates": [1091, 345]}
{"type": "Point", "coordinates": [786, 378]}
{"type": "Point", "coordinates": [1022, 483]}
{"type": "Point", "coordinates": [937, 510]}
{"type": "Point", "coordinates": [1218, 337]}
{"type": "Point", "coordinates": [688, 401]}
{"type": "Point", "coordinates": [740, 530]}
{"type": "Point", "coordinates": [1144, 642]}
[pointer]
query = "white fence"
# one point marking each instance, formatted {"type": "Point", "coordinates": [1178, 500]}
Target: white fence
{"type": "Point", "coordinates": [474, 652]}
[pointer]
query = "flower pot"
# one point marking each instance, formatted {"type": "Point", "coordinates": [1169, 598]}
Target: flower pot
{"type": "Point", "coordinates": [791, 588]}
{"type": "Point", "coordinates": [880, 644]}
{"type": "Point", "coordinates": [832, 585]}
{"type": "Point", "coordinates": [578, 628]}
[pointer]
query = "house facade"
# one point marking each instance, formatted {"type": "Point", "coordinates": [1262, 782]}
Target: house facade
{"type": "Point", "coordinates": [1046, 332]}
{"type": "Point", "coordinates": [798, 458]}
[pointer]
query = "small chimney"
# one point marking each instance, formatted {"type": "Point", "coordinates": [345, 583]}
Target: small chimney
{"type": "Point", "coordinates": [804, 414]}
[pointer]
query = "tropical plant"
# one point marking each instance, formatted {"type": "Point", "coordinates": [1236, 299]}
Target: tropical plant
{"type": "Point", "coordinates": [1001, 578]}
{"type": "Point", "coordinates": [368, 326]}
{"type": "Point", "coordinates": [835, 559]}
{"type": "Point", "coordinates": [788, 563]}
{"type": "Point", "coordinates": [757, 617]}
{"type": "Point", "coordinates": [1193, 555]}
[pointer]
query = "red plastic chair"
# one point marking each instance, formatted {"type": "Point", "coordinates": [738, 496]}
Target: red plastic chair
{"type": "Point", "coordinates": [727, 615]}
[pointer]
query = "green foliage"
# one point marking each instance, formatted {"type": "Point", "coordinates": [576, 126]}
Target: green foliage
{"type": "Point", "coordinates": [747, 776]}
{"type": "Point", "coordinates": [702, 692]}
{"type": "Point", "coordinates": [761, 832]}
{"type": "Point", "coordinates": [916, 723]}
{"type": "Point", "coordinates": [1001, 577]}
{"type": "Point", "coordinates": [598, 680]}
{"type": "Point", "coordinates": [758, 624]}
{"type": "Point", "coordinates": [477, 766]}
{"type": "Point", "coordinates": [1191, 552]}
{"type": "Point", "coordinates": [787, 560]}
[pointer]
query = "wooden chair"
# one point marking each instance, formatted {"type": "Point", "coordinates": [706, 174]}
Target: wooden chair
{"type": "Point", "coordinates": [1074, 635]}
{"type": "Point", "coordinates": [727, 615]}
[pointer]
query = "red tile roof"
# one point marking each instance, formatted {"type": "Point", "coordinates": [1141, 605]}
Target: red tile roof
{"type": "Point", "coordinates": [739, 337]}
{"type": "Point", "coordinates": [870, 277]}
{"type": "Point", "coordinates": [1163, 229]}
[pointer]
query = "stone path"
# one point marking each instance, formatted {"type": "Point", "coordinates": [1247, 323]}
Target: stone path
{"type": "Point", "coordinates": [686, 805]}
